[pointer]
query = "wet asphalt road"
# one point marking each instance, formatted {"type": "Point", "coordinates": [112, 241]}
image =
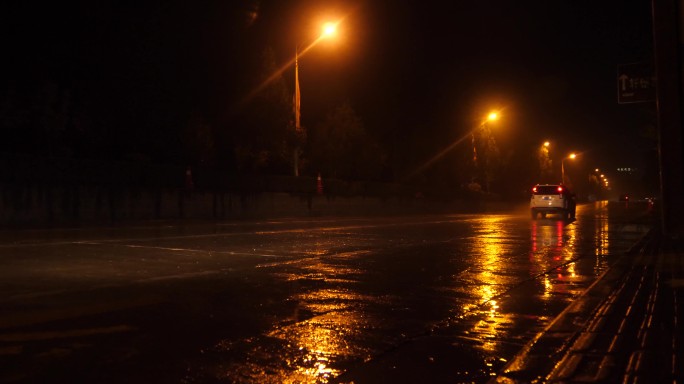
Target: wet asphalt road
{"type": "Point", "coordinates": [439, 298]}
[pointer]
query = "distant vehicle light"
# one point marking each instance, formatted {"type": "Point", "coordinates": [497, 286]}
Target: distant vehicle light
{"type": "Point", "coordinates": [534, 189]}
{"type": "Point", "coordinates": [560, 189]}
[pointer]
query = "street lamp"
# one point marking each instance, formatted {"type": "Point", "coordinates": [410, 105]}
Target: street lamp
{"type": "Point", "coordinates": [572, 156]}
{"type": "Point", "coordinates": [328, 30]}
{"type": "Point", "coordinates": [490, 117]}
{"type": "Point", "coordinates": [545, 165]}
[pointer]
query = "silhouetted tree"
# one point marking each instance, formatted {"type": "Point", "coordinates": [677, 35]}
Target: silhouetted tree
{"type": "Point", "coordinates": [340, 147]}
{"type": "Point", "coordinates": [36, 118]}
{"type": "Point", "coordinates": [200, 142]}
{"type": "Point", "coordinates": [545, 164]}
{"type": "Point", "coordinates": [264, 136]}
{"type": "Point", "coordinates": [488, 156]}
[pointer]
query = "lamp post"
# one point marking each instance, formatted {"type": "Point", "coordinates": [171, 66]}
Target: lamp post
{"type": "Point", "coordinates": [328, 30]}
{"type": "Point", "coordinates": [572, 156]}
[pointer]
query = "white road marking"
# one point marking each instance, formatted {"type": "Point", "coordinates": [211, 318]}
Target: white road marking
{"type": "Point", "coordinates": [51, 335]}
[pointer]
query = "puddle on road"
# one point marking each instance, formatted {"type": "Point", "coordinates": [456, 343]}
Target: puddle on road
{"type": "Point", "coordinates": [309, 351]}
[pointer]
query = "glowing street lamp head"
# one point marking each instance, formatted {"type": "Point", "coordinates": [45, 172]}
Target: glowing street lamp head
{"type": "Point", "coordinates": [329, 30]}
{"type": "Point", "coordinates": [572, 155]}
{"type": "Point", "coordinates": [546, 144]}
{"type": "Point", "coordinates": [492, 116]}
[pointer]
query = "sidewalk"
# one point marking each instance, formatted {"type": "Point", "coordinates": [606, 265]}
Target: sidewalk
{"type": "Point", "coordinates": [626, 328]}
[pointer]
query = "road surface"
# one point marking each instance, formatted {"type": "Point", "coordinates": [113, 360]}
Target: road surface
{"type": "Point", "coordinates": [435, 298]}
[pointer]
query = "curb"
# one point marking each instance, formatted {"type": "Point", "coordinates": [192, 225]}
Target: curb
{"type": "Point", "coordinates": [568, 349]}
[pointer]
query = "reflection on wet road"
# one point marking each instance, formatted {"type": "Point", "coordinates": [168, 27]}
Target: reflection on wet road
{"type": "Point", "coordinates": [441, 298]}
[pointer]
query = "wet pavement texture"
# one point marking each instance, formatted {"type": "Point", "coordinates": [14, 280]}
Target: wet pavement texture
{"type": "Point", "coordinates": [435, 298]}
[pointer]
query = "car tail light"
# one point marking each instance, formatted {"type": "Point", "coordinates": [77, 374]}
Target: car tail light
{"type": "Point", "coordinates": [534, 189]}
{"type": "Point", "coordinates": [560, 189]}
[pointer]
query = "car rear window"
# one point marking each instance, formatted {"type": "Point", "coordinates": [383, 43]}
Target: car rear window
{"type": "Point", "coordinates": [546, 190]}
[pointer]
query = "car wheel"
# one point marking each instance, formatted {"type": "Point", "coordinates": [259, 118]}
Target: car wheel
{"type": "Point", "coordinates": [543, 215]}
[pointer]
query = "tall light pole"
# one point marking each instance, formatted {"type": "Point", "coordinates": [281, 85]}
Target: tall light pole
{"type": "Point", "coordinates": [572, 156]}
{"type": "Point", "coordinates": [329, 30]}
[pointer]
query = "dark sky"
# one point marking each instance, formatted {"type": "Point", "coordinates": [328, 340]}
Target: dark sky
{"type": "Point", "coordinates": [418, 71]}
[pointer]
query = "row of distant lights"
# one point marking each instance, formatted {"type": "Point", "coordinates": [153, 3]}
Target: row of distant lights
{"type": "Point", "coordinates": [604, 179]}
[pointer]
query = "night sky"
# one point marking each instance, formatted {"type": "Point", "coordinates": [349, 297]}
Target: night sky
{"type": "Point", "coordinates": [420, 74]}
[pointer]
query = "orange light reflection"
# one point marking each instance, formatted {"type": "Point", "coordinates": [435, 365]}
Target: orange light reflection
{"type": "Point", "coordinates": [488, 244]}
{"type": "Point", "coordinates": [317, 343]}
{"type": "Point", "coordinates": [601, 235]}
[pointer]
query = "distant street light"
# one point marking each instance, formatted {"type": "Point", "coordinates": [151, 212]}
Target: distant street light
{"type": "Point", "coordinates": [545, 165]}
{"type": "Point", "coordinates": [328, 31]}
{"type": "Point", "coordinates": [572, 156]}
{"type": "Point", "coordinates": [490, 117]}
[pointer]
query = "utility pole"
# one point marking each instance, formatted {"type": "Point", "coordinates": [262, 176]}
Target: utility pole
{"type": "Point", "coordinates": [667, 43]}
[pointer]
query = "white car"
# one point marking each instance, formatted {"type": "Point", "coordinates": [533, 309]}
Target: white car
{"type": "Point", "coordinates": [552, 199]}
